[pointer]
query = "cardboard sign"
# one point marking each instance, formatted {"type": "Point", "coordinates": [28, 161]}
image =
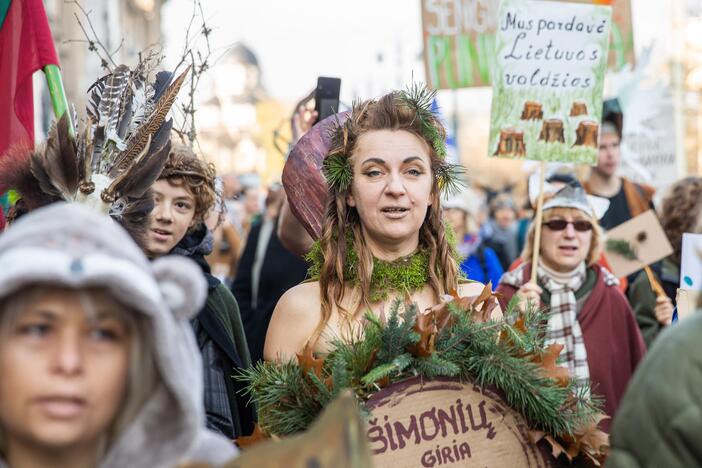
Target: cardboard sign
{"type": "Point", "coordinates": [686, 302]}
{"type": "Point", "coordinates": [448, 423]}
{"type": "Point", "coordinates": [548, 82]}
{"type": "Point", "coordinates": [335, 440]}
{"type": "Point", "coordinates": [645, 237]}
{"type": "Point", "coordinates": [691, 262]}
{"type": "Point", "coordinates": [459, 40]}
{"type": "Point", "coordinates": [648, 144]}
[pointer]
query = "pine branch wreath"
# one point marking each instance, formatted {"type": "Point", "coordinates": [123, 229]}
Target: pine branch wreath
{"type": "Point", "coordinates": [447, 342]}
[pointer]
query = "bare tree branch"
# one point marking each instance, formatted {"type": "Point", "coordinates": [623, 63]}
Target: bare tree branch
{"type": "Point", "coordinates": [94, 42]}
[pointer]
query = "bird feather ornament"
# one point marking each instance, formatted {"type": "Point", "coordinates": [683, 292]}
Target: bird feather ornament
{"type": "Point", "coordinates": [115, 158]}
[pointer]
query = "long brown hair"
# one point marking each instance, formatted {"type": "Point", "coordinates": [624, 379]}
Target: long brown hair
{"type": "Point", "coordinates": [389, 112]}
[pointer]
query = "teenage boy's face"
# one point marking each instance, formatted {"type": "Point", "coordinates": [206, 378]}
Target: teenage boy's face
{"type": "Point", "coordinates": [172, 216]}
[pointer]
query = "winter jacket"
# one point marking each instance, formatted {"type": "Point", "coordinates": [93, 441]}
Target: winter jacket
{"type": "Point", "coordinates": [643, 299]}
{"type": "Point", "coordinates": [483, 265]}
{"type": "Point", "coordinates": [222, 342]}
{"type": "Point", "coordinates": [659, 423]}
{"type": "Point", "coordinates": [612, 339]}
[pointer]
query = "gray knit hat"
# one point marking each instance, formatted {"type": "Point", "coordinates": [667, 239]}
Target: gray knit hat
{"type": "Point", "coordinates": [72, 245]}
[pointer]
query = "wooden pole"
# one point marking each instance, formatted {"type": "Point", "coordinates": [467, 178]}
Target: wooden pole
{"type": "Point", "coordinates": [655, 286]}
{"type": "Point", "coordinates": [538, 220]}
{"type": "Point", "coordinates": [58, 95]}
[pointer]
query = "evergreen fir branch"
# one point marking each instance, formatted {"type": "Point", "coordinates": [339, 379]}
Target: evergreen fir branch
{"type": "Point", "coordinates": [434, 366]}
{"type": "Point", "coordinates": [622, 248]}
{"type": "Point", "coordinates": [397, 365]}
{"type": "Point", "coordinates": [338, 171]}
{"type": "Point", "coordinates": [451, 178]}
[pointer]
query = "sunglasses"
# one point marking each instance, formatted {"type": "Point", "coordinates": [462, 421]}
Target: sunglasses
{"type": "Point", "coordinates": [561, 224]}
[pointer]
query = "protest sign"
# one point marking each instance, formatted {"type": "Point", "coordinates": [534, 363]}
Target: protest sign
{"type": "Point", "coordinates": [636, 244]}
{"type": "Point", "coordinates": [686, 303]}
{"type": "Point", "coordinates": [549, 76]}
{"type": "Point", "coordinates": [445, 422]}
{"type": "Point", "coordinates": [459, 40]}
{"type": "Point", "coordinates": [691, 262]}
{"type": "Point", "coordinates": [648, 143]}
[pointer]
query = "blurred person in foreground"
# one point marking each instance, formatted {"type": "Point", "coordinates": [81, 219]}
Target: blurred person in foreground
{"type": "Point", "coordinates": [659, 422]}
{"type": "Point", "coordinates": [587, 312]}
{"type": "Point", "coordinates": [266, 271]}
{"type": "Point", "coordinates": [98, 363]}
{"type": "Point", "coordinates": [479, 263]}
{"type": "Point", "coordinates": [627, 199]}
{"type": "Point", "coordinates": [680, 213]}
{"type": "Point", "coordinates": [183, 195]}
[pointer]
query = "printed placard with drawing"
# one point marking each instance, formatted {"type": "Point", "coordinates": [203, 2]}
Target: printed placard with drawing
{"type": "Point", "coordinates": [551, 59]}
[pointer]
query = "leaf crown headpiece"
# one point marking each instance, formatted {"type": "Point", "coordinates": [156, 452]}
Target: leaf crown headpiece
{"type": "Point", "coordinates": [418, 99]}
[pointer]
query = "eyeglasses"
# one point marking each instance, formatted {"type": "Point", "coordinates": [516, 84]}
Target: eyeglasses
{"type": "Point", "coordinates": [561, 224]}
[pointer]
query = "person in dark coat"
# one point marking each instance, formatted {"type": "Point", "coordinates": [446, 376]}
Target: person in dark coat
{"type": "Point", "coordinates": [586, 311]}
{"type": "Point", "coordinates": [266, 270]}
{"type": "Point", "coordinates": [183, 195]}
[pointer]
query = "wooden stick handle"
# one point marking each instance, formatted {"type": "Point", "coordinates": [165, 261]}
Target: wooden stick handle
{"type": "Point", "coordinates": [655, 285]}
{"type": "Point", "coordinates": [538, 220]}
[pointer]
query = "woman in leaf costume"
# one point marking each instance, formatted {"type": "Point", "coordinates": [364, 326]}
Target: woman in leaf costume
{"type": "Point", "coordinates": [382, 236]}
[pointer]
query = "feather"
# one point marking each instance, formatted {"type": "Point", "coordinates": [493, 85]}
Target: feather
{"type": "Point", "coordinates": [43, 166]}
{"type": "Point", "coordinates": [138, 140]}
{"type": "Point", "coordinates": [85, 155]}
{"type": "Point", "coordinates": [125, 114]}
{"type": "Point", "coordinates": [68, 162]}
{"type": "Point", "coordinates": [111, 103]}
{"type": "Point", "coordinates": [140, 105]}
{"type": "Point", "coordinates": [144, 174]}
{"type": "Point", "coordinates": [163, 79]}
{"type": "Point", "coordinates": [112, 192]}
{"type": "Point", "coordinates": [135, 217]}
{"type": "Point", "coordinates": [94, 97]}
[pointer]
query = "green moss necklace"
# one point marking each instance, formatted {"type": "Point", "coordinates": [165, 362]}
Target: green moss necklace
{"type": "Point", "coordinates": [404, 275]}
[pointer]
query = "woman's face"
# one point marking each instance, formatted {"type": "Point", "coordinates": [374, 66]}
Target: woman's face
{"type": "Point", "coordinates": [391, 189]}
{"type": "Point", "coordinates": [63, 373]}
{"type": "Point", "coordinates": [563, 250]}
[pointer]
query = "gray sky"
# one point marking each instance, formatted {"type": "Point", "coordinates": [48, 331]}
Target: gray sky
{"type": "Point", "coordinates": [296, 41]}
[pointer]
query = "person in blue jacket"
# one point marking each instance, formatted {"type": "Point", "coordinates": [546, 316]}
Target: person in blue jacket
{"type": "Point", "coordinates": [479, 262]}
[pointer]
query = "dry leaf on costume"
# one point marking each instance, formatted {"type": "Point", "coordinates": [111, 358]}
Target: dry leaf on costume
{"type": "Point", "coordinates": [307, 361]}
{"type": "Point", "coordinates": [425, 327]}
{"type": "Point", "coordinates": [256, 436]}
{"type": "Point", "coordinates": [547, 361]}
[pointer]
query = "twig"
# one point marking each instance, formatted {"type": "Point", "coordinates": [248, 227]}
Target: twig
{"type": "Point", "coordinates": [94, 41]}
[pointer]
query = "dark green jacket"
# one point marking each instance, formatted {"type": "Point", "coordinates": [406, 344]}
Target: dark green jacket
{"type": "Point", "coordinates": [659, 422]}
{"type": "Point", "coordinates": [643, 299]}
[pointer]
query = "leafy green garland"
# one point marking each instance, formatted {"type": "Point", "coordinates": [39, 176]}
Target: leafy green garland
{"type": "Point", "coordinates": [505, 354]}
{"type": "Point", "coordinates": [404, 275]}
{"type": "Point", "coordinates": [337, 167]}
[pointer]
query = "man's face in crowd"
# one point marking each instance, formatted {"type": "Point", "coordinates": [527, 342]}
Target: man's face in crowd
{"type": "Point", "coordinates": [609, 154]}
{"type": "Point", "coordinates": [172, 216]}
{"type": "Point", "coordinates": [505, 217]}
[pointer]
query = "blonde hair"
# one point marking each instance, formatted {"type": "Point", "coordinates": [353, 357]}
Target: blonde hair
{"type": "Point", "coordinates": [389, 112]}
{"type": "Point", "coordinates": [593, 254]}
{"type": "Point", "coordinates": [141, 376]}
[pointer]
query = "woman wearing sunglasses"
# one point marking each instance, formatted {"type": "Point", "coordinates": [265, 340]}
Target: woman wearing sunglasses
{"type": "Point", "coordinates": [587, 312]}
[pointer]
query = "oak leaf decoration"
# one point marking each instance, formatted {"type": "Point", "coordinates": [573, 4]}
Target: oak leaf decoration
{"type": "Point", "coordinates": [258, 435]}
{"type": "Point", "coordinates": [425, 327]}
{"type": "Point", "coordinates": [547, 361]}
{"type": "Point", "coordinates": [308, 362]}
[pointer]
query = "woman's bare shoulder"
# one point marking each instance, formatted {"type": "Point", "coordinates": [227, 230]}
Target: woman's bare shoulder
{"type": "Point", "coordinates": [294, 319]}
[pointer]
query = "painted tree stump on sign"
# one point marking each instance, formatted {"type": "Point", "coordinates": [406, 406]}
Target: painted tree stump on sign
{"type": "Point", "coordinates": [511, 142]}
{"type": "Point", "coordinates": [578, 108]}
{"type": "Point", "coordinates": [303, 179]}
{"type": "Point", "coordinates": [532, 111]}
{"type": "Point", "coordinates": [586, 134]}
{"type": "Point", "coordinates": [446, 423]}
{"type": "Point", "coordinates": [552, 131]}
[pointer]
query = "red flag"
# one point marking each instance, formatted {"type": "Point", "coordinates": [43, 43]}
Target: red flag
{"type": "Point", "coordinates": [25, 47]}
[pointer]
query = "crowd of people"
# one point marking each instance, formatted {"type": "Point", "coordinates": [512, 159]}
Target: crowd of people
{"type": "Point", "coordinates": [118, 348]}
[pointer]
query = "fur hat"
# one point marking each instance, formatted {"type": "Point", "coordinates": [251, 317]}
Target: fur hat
{"type": "Point", "coordinates": [71, 245]}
